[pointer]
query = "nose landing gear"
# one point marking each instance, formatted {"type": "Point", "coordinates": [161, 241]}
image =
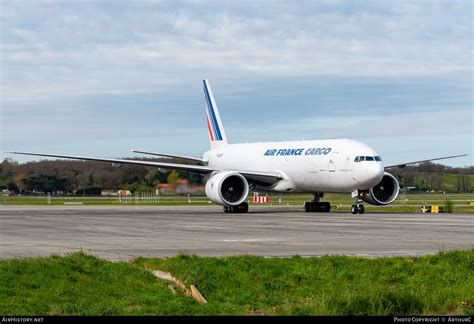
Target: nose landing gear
{"type": "Point", "coordinates": [316, 205]}
{"type": "Point", "coordinates": [358, 208]}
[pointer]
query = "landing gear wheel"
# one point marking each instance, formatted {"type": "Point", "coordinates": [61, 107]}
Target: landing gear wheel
{"type": "Point", "coordinates": [354, 209]}
{"type": "Point", "coordinates": [327, 207]}
{"type": "Point", "coordinates": [312, 206]}
{"type": "Point", "coordinates": [242, 208]}
{"type": "Point", "coordinates": [357, 209]}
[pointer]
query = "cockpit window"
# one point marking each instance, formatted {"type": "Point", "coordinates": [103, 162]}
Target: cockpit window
{"type": "Point", "coordinates": [367, 158]}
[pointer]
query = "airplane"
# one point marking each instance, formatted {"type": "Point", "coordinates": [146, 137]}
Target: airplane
{"type": "Point", "coordinates": [307, 166]}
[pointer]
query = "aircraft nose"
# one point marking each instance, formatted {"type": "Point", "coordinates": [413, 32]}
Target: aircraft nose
{"type": "Point", "coordinates": [375, 172]}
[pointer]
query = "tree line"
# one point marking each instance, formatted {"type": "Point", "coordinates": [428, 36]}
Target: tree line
{"type": "Point", "coordinates": [85, 177]}
{"type": "Point", "coordinates": [430, 176]}
{"type": "Point", "coordinates": [89, 177]}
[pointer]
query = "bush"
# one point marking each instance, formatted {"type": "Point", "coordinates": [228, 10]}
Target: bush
{"type": "Point", "coordinates": [93, 190]}
{"type": "Point", "coordinates": [448, 206]}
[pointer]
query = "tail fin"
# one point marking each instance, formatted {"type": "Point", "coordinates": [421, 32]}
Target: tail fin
{"type": "Point", "coordinates": [214, 122]}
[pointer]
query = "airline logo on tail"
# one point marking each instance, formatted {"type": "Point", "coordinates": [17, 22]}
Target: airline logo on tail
{"type": "Point", "coordinates": [214, 124]}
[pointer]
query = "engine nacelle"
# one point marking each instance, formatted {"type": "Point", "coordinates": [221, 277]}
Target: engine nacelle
{"type": "Point", "coordinates": [385, 192]}
{"type": "Point", "coordinates": [227, 188]}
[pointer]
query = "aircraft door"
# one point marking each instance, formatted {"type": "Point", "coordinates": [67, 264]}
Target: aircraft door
{"type": "Point", "coordinates": [332, 161]}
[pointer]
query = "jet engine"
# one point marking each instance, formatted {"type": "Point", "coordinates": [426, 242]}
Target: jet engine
{"type": "Point", "coordinates": [385, 192]}
{"type": "Point", "coordinates": [227, 188]}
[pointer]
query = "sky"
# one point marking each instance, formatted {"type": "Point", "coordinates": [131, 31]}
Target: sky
{"type": "Point", "coordinates": [99, 78]}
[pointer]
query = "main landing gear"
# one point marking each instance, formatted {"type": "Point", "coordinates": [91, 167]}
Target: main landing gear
{"type": "Point", "coordinates": [242, 208]}
{"type": "Point", "coordinates": [316, 205]}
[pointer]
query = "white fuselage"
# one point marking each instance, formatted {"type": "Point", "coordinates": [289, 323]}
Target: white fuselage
{"type": "Point", "coordinates": [305, 166]}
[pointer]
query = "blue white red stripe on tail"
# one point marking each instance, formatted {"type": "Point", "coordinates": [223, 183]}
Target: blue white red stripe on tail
{"type": "Point", "coordinates": [213, 124]}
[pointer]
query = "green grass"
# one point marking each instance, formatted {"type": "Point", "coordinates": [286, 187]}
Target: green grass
{"type": "Point", "coordinates": [404, 203]}
{"type": "Point", "coordinates": [292, 199]}
{"type": "Point", "coordinates": [103, 201]}
{"type": "Point", "coordinates": [80, 284]}
{"type": "Point", "coordinates": [83, 285]}
{"type": "Point", "coordinates": [450, 181]}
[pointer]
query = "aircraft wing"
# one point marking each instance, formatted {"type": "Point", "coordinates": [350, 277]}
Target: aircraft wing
{"type": "Point", "coordinates": [173, 166]}
{"type": "Point", "coordinates": [261, 178]}
{"type": "Point", "coordinates": [402, 165]}
{"type": "Point", "coordinates": [169, 156]}
{"type": "Point", "coordinates": [252, 176]}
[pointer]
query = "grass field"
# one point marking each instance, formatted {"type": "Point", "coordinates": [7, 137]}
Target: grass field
{"type": "Point", "coordinates": [404, 202]}
{"type": "Point", "coordinates": [81, 284]}
{"type": "Point", "coordinates": [448, 181]}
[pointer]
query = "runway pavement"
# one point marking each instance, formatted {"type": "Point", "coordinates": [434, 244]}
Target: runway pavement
{"type": "Point", "coordinates": [122, 233]}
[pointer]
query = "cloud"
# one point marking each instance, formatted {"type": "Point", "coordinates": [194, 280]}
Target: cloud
{"type": "Point", "coordinates": [74, 63]}
{"type": "Point", "coordinates": [84, 47]}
